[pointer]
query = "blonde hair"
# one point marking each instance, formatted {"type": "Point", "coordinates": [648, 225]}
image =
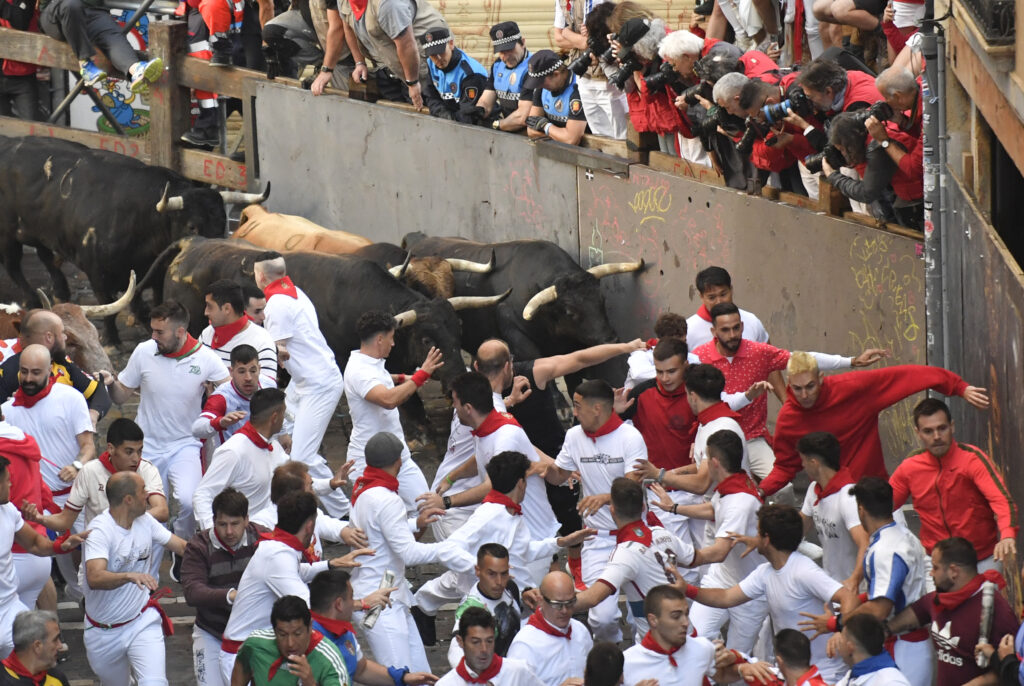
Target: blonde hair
{"type": "Point", "coordinates": [624, 11]}
{"type": "Point", "coordinates": [800, 363]}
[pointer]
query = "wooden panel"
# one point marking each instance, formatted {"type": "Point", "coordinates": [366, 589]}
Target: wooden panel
{"type": "Point", "coordinates": [680, 167]}
{"type": "Point", "coordinates": [36, 48]}
{"type": "Point", "coordinates": [171, 102]}
{"type": "Point", "coordinates": [218, 170]}
{"type": "Point", "coordinates": [132, 147]}
{"type": "Point", "coordinates": [197, 73]}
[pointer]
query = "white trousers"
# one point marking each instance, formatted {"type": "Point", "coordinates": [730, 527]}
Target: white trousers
{"type": "Point", "coordinates": [312, 408]}
{"type": "Point", "coordinates": [691, 150]}
{"type": "Point", "coordinates": [206, 658]}
{"type": "Point", "coordinates": [181, 472]}
{"type": "Point", "coordinates": [744, 623]}
{"type": "Point", "coordinates": [32, 571]}
{"type": "Point", "coordinates": [603, 617]}
{"type": "Point", "coordinates": [445, 588]}
{"type": "Point", "coordinates": [916, 660]}
{"type": "Point", "coordinates": [395, 640]}
{"type": "Point", "coordinates": [9, 609]}
{"type": "Point", "coordinates": [227, 664]}
{"type": "Point", "coordinates": [605, 106]}
{"type": "Point", "coordinates": [133, 653]}
{"type": "Point", "coordinates": [813, 30]}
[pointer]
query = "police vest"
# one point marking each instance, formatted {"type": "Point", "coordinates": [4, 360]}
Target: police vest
{"type": "Point", "coordinates": [449, 82]}
{"type": "Point", "coordinates": [556, 106]}
{"type": "Point", "coordinates": [508, 83]}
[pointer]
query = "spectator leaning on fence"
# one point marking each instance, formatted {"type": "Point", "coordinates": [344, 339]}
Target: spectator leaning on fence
{"type": "Point", "coordinates": [456, 80]}
{"type": "Point", "coordinates": [557, 110]}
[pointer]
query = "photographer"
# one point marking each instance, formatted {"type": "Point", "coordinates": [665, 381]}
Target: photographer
{"type": "Point", "coordinates": [833, 89]}
{"type": "Point", "coordinates": [902, 92]}
{"type": "Point", "coordinates": [557, 110]}
{"type": "Point", "coordinates": [891, 194]}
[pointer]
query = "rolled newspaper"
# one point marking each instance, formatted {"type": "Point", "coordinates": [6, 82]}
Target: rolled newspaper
{"type": "Point", "coordinates": [988, 592]}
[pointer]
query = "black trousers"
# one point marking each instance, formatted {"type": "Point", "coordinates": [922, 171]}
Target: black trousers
{"type": "Point", "coordinates": [88, 29]}
{"type": "Point", "coordinates": [19, 97]}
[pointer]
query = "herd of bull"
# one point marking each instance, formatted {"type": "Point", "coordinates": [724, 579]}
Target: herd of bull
{"type": "Point", "coordinates": [114, 217]}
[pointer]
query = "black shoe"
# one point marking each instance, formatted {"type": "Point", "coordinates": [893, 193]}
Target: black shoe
{"type": "Point", "coordinates": [221, 47]}
{"type": "Point", "coordinates": [202, 137]}
{"type": "Point", "coordinates": [705, 8]}
{"type": "Point", "coordinates": [425, 625]}
{"type": "Point", "coordinates": [176, 567]}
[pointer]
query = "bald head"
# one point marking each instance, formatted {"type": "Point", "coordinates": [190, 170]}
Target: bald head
{"type": "Point", "coordinates": [269, 268]}
{"type": "Point", "coordinates": [34, 369]}
{"type": "Point", "coordinates": [36, 354]}
{"type": "Point", "coordinates": [493, 359]}
{"type": "Point", "coordinates": [558, 598]}
{"type": "Point", "coordinates": [555, 584]}
{"type": "Point", "coordinates": [43, 327]}
{"type": "Point", "coordinates": [121, 485]}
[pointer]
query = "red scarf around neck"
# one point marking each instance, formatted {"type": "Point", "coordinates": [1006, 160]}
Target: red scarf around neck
{"type": "Point", "coordinates": [290, 540]}
{"type": "Point", "coordinates": [484, 676]}
{"type": "Point", "coordinates": [613, 423]}
{"type": "Point", "coordinates": [670, 394]}
{"type": "Point", "coordinates": [953, 599]}
{"type": "Point", "coordinates": [108, 464]}
{"type": "Point", "coordinates": [372, 477]}
{"type": "Point", "coordinates": [740, 482]}
{"type": "Point", "coordinates": [716, 411]}
{"type": "Point", "coordinates": [494, 421]}
{"type": "Point", "coordinates": [284, 286]}
{"type": "Point", "coordinates": [538, 622]}
{"type": "Point", "coordinates": [495, 497]}
{"type": "Point", "coordinates": [337, 627]}
{"type": "Point", "coordinates": [223, 334]}
{"type": "Point", "coordinates": [187, 348]}
{"type": "Point", "coordinates": [703, 313]}
{"type": "Point", "coordinates": [23, 399]}
{"type": "Point", "coordinates": [250, 432]}
{"type": "Point", "coordinates": [231, 551]}
{"type": "Point", "coordinates": [651, 342]}
{"type": "Point", "coordinates": [835, 484]}
{"type": "Point", "coordinates": [358, 8]}
{"type": "Point", "coordinates": [14, 664]}
{"type": "Point", "coordinates": [314, 639]}
{"type": "Point", "coordinates": [655, 647]}
{"type": "Point", "coordinates": [634, 531]}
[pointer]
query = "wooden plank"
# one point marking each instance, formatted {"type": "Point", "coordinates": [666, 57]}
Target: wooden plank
{"type": "Point", "coordinates": [250, 136]}
{"type": "Point", "coordinates": [215, 169]}
{"type": "Point", "coordinates": [197, 73]}
{"type": "Point", "coordinates": [986, 95]}
{"type": "Point", "coordinates": [171, 102]}
{"type": "Point", "coordinates": [131, 147]}
{"type": "Point", "coordinates": [680, 167]}
{"type": "Point", "coordinates": [609, 146]}
{"type": "Point", "coordinates": [36, 48]}
{"type": "Point", "coordinates": [831, 200]}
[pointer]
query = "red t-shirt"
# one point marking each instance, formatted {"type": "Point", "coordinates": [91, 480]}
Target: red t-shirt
{"type": "Point", "coordinates": [667, 424]}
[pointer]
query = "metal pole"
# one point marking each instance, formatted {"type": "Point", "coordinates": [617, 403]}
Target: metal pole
{"type": "Point", "coordinates": [102, 107]}
{"type": "Point", "coordinates": [933, 119]}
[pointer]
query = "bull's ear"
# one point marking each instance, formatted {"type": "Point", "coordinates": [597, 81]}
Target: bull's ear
{"type": "Point", "coordinates": [247, 267]}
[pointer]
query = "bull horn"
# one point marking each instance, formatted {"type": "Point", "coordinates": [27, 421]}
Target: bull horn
{"type": "Point", "coordinates": [460, 265]}
{"type": "Point", "coordinates": [603, 270]}
{"type": "Point", "coordinates": [407, 318]}
{"type": "Point", "coordinates": [99, 311]}
{"type": "Point", "coordinates": [548, 295]}
{"type": "Point", "coordinates": [240, 198]}
{"type": "Point", "coordinates": [399, 271]}
{"type": "Point", "coordinates": [173, 203]}
{"type": "Point", "coordinates": [44, 300]}
{"type": "Point", "coordinates": [473, 302]}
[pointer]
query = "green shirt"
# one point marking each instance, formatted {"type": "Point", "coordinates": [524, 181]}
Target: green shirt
{"type": "Point", "coordinates": [260, 651]}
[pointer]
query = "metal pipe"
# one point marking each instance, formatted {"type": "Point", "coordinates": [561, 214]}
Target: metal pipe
{"type": "Point", "coordinates": [932, 132]}
{"type": "Point", "coordinates": [104, 110]}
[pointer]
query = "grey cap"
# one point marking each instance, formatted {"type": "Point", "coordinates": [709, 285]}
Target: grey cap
{"type": "Point", "coordinates": [383, 450]}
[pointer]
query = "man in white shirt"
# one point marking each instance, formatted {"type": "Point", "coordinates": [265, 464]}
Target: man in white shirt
{"type": "Point", "coordinates": [601, 448]}
{"type": "Point", "coordinates": [316, 384]}
{"type": "Point", "coordinates": [831, 509]}
{"type": "Point", "coordinates": [227, 409]}
{"type": "Point", "coordinates": [125, 626]}
{"type": "Point", "coordinates": [552, 643]}
{"type": "Point", "coordinates": [640, 363]}
{"type": "Point", "coordinates": [246, 461]}
{"type": "Point", "coordinates": [380, 512]}
{"type": "Point", "coordinates": [278, 568]}
{"type": "Point", "coordinates": [791, 583]}
{"type": "Point", "coordinates": [230, 327]}
{"type": "Point", "coordinates": [862, 647]}
{"type": "Point", "coordinates": [14, 529]}
{"type": "Point", "coordinates": [170, 372]}
{"type": "Point", "coordinates": [373, 398]}
{"type": "Point", "coordinates": [479, 663]}
{"type": "Point", "coordinates": [715, 286]}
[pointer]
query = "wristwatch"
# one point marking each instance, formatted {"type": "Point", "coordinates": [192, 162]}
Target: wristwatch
{"type": "Point", "coordinates": [326, 70]}
{"type": "Point", "coordinates": [413, 82]}
{"type": "Point", "coordinates": [496, 124]}
{"type": "Point", "coordinates": [885, 144]}
{"type": "Point", "coordinates": [447, 502]}
{"type": "Point", "coordinates": [77, 465]}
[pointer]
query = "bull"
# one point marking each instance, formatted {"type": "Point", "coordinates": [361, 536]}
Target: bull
{"type": "Point", "coordinates": [105, 213]}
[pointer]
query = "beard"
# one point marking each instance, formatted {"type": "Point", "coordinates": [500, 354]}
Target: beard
{"type": "Point", "coordinates": [31, 387]}
{"type": "Point", "coordinates": [732, 346]}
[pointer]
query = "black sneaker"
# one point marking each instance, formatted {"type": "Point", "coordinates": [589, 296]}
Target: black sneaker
{"type": "Point", "coordinates": [705, 8]}
{"type": "Point", "coordinates": [175, 567]}
{"type": "Point", "coordinates": [201, 137]}
{"type": "Point", "coordinates": [221, 48]}
{"type": "Point", "coordinates": [425, 625]}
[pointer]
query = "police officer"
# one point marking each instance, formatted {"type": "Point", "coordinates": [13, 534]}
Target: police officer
{"type": "Point", "coordinates": [505, 86]}
{"type": "Point", "coordinates": [456, 80]}
{"type": "Point", "coordinates": [557, 110]}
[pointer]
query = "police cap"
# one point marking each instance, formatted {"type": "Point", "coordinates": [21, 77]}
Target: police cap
{"type": "Point", "coordinates": [434, 40]}
{"type": "Point", "coordinates": [505, 35]}
{"type": "Point", "coordinates": [544, 62]}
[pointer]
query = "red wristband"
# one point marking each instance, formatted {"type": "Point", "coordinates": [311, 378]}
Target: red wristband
{"type": "Point", "coordinates": [863, 597]}
{"type": "Point", "coordinates": [833, 623]}
{"type": "Point", "coordinates": [420, 377]}
{"type": "Point", "coordinates": [57, 549]}
{"type": "Point", "coordinates": [692, 591]}
{"type": "Point", "coordinates": [402, 378]}
{"type": "Point", "coordinates": [740, 660]}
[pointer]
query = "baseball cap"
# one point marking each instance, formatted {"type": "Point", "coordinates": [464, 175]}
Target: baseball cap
{"type": "Point", "coordinates": [631, 32]}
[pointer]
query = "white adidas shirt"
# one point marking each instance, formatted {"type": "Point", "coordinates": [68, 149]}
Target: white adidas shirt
{"type": "Point", "coordinates": [255, 335]}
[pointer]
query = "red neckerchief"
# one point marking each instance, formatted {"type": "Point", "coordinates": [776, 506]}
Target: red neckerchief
{"type": "Point", "coordinates": [109, 465]}
{"type": "Point", "coordinates": [809, 676]}
{"type": "Point", "coordinates": [494, 421]}
{"type": "Point", "coordinates": [284, 286]}
{"type": "Point", "coordinates": [502, 499]}
{"type": "Point", "coordinates": [484, 676]}
{"type": "Point", "coordinates": [290, 540]}
{"type": "Point", "coordinates": [250, 432]}
{"type": "Point", "coordinates": [314, 639]}
{"type": "Point", "coordinates": [703, 313]}
{"type": "Point", "coordinates": [538, 622]}
{"type": "Point", "coordinates": [12, 663]}
{"type": "Point", "coordinates": [187, 348]}
{"type": "Point", "coordinates": [953, 599]}
{"type": "Point", "coordinates": [358, 8]}
{"type": "Point", "coordinates": [839, 479]}
{"type": "Point", "coordinates": [740, 482]}
{"type": "Point", "coordinates": [223, 334]}
{"type": "Point", "coordinates": [634, 531]}
{"type": "Point", "coordinates": [655, 647]}
{"type": "Point", "coordinates": [651, 342]}
{"type": "Point", "coordinates": [337, 627]}
{"type": "Point", "coordinates": [670, 394]}
{"type": "Point", "coordinates": [225, 546]}
{"type": "Point", "coordinates": [716, 411]}
{"type": "Point", "coordinates": [613, 423]}
{"type": "Point", "coordinates": [23, 399]}
{"type": "Point", "coordinates": [372, 476]}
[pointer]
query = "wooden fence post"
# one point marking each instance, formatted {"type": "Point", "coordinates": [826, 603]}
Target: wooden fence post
{"type": "Point", "coordinates": [170, 103]}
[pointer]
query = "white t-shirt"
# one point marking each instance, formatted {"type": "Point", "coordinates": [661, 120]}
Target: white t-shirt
{"type": "Point", "coordinates": [362, 374]}
{"type": "Point", "coordinates": [88, 491]}
{"type": "Point", "coordinates": [509, 606]}
{"type": "Point", "coordinates": [887, 676]}
{"type": "Point", "coordinates": [461, 447]}
{"type": "Point", "coordinates": [600, 461]}
{"type": "Point", "coordinates": [55, 422]}
{"type": "Point", "coordinates": [800, 586]}
{"type": "Point", "coordinates": [244, 466]}
{"type": "Point", "coordinates": [735, 512]}
{"type": "Point", "coordinates": [255, 335]}
{"type": "Point", "coordinates": [170, 394]}
{"type": "Point", "coordinates": [293, 320]}
{"type": "Point", "coordinates": [10, 524]}
{"type": "Point", "coordinates": [513, 673]}
{"type": "Point", "coordinates": [553, 658]}
{"type": "Point", "coordinates": [695, 662]}
{"type": "Point", "coordinates": [698, 329]}
{"type": "Point", "coordinates": [895, 566]}
{"type": "Point", "coordinates": [704, 431]}
{"type": "Point", "coordinates": [833, 517]}
{"type": "Point", "coordinates": [125, 550]}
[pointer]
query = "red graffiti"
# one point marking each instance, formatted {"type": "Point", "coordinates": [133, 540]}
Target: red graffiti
{"type": "Point", "coordinates": [158, 94]}
{"type": "Point", "coordinates": [129, 148]}
{"type": "Point", "coordinates": [40, 131]}
{"type": "Point", "coordinates": [43, 54]}
{"type": "Point", "coordinates": [219, 171]}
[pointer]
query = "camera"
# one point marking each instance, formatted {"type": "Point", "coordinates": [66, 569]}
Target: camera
{"type": "Point", "coordinates": [605, 53]}
{"type": "Point", "coordinates": [880, 111]}
{"type": "Point", "coordinates": [797, 101]}
{"type": "Point", "coordinates": [745, 144]}
{"type": "Point", "coordinates": [665, 75]}
{"type": "Point", "coordinates": [703, 89]}
{"type": "Point", "coordinates": [830, 153]}
{"type": "Point", "coordinates": [625, 72]}
{"type": "Point", "coordinates": [581, 64]}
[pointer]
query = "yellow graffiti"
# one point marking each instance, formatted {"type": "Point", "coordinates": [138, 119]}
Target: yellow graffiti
{"type": "Point", "coordinates": [651, 204]}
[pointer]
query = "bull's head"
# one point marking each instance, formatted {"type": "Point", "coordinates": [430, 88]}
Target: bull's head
{"type": "Point", "coordinates": [200, 211]}
{"type": "Point", "coordinates": [434, 276]}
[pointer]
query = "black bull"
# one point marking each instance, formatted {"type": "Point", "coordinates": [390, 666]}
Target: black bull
{"type": "Point", "coordinates": [575, 318]}
{"type": "Point", "coordinates": [105, 213]}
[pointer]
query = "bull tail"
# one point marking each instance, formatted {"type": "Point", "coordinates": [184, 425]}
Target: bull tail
{"type": "Point", "coordinates": [159, 266]}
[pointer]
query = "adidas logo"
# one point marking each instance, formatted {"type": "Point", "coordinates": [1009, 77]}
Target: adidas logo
{"type": "Point", "coordinates": [943, 637]}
